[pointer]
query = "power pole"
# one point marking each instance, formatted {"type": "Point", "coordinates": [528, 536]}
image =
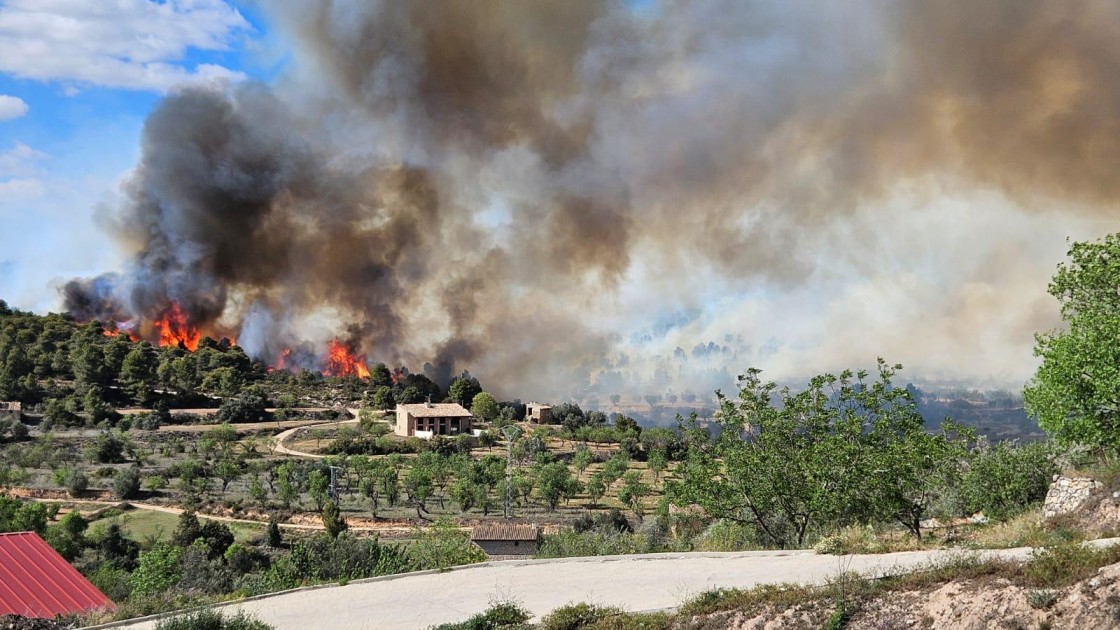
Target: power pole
{"type": "Point", "coordinates": [332, 492]}
{"type": "Point", "coordinates": [510, 432]}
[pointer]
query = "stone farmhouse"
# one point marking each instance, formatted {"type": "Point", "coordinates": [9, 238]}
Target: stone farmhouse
{"type": "Point", "coordinates": [538, 413]}
{"type": "Point", "coordinates": [429, 419]}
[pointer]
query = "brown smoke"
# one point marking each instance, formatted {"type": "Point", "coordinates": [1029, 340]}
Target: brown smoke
{"type": "Point", "coordinates": [477, 183]}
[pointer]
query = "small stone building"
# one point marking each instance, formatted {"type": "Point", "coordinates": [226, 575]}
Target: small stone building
{"type": "Point", "coordinates": [432, 418]}
{"type": "Point", "coordinates": [11, 410]}
{"type": "Point", "coordinates": [506, 541]}
{"type": "Point", "coordinates": [536, 412]}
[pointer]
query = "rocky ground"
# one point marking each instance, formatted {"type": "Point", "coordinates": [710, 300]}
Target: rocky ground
{"type": "Point", "coordinates": [962, 604]}
{"type": "Point", "coordinates": [16, 622]}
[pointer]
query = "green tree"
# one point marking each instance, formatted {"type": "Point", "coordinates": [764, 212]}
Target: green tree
{"type": "Point", "coordinates": [844, 450]}
{"type": "Point", "coordinates": [464, 388]}
{"type": "Point", "coordinates": [657, 462]}
{"type": "Point", "coordinates": [317, 486]}
{"type": "Point", "coordinates": [138, 372]}
{"type": "Point", "coordinates": [332, 519]}
{"type": "Point", "coordinates": [158, 570]}
{"type": "Point", "coordinates": [582, 459]}
{"type": "Point", "coordinates": [555, 484]}
{"type": "Point", "coordinates": [633, 491]}
{"type": "Point", "coordinates": [288, 484]}
{"type": "Point", "coordinates": [484, 407]}
{"type": "Point", "coordinates": [1075, 394]}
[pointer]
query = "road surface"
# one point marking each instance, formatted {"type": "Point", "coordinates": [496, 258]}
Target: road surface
{"type": "Point", "coordinates": [635, 583]}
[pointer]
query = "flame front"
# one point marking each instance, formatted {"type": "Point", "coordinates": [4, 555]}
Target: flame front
{"type": "Point", "coordinates": [342, 361]}
{"type": "Point", "coordinates": [175, 329]}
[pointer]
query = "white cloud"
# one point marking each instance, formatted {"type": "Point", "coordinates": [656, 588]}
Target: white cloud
{"type": "Point", "coordinates": [22, 188]}
{"type": "Point", "coordinates": [20, 174]}
{"type": "Point", "coordinates": [131, 44]}
{"type": "Point", "coordinates": [11, 107]}
{"type": "Point", "coordinates": [21, 161]}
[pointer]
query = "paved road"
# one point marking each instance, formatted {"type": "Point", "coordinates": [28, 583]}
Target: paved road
{"type": "Point", "coordinates": [635, 583]}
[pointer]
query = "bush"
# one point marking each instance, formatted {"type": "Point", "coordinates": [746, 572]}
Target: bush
{"type": "Point", "coordinates": [725, 535]}
{"type": "Point", "coordinates": [325, 559]}
{"type": "Point", "coordinates": [248, 406]}
{"type": "Point", "coordinates": [500, 615]}
{"type": "Point", "coordinates": [567, 544]}
{"type": "Point", "coordinates": [576, 616]}
{"type": "Point", "coordinates": [443, 545]}
{"type": "Point", "coordinates": [212, 620]}
{"type": "Point", "coordinates": [126, 484]}
{"type": "Point", "coordinates": [1066, 563]}
{"type": "Point", "coordinates": [158, 570]}
{"type": "Point", "coordinates": [109, 449]}
{"type": "Point", "coordinates": [76, 482]}
{"type": "Point", "coordinates": [1005, 479]}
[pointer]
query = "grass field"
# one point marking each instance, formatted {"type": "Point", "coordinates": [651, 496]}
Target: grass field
{"type": "Point", "coordinates": [149, 526]}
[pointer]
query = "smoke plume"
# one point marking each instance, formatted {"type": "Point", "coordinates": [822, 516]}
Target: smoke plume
{"type": "Point", "coordinates": [567, 196]}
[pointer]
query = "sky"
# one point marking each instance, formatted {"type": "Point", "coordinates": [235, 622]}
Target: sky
{"type": "Point", "coordinates": [77, 80]}
{"type": "Point", "coordinates": [804, 187]}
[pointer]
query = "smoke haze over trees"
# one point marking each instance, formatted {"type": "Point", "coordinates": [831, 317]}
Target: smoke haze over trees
{"type": "Point", "coordinates": [557, 195]}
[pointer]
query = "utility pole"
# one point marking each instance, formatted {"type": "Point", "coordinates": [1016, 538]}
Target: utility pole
{"type": "Point", "coordinates": [510, 432]}
{"type": "Point", "coordinates": [332, 492]}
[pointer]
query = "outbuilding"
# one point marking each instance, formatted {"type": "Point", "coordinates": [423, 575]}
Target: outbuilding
{"type": "Point", "coordinates": [11, 410]}
{"type": "Point", "coordinates": [506, 541]}
{"type": "Point", "coordinates": [538, 413]}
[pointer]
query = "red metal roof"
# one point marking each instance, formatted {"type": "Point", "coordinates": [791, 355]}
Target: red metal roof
{"type": "Point", "coordinates": [37, 582]}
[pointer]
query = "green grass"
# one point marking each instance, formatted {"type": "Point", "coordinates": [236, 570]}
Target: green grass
{"type": "Point", "coordinates": [145, 526]}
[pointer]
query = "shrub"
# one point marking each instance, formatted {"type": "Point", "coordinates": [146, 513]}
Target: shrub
{"type": "Point", "coordinates": [443, 545]}
{"type": "Point", "coordinates": [499, 615]}
{"type": "Point", "coordinates": [1066, 563]}
{"type": "Point", "coordinates": [725, 535]}
{"type": "Point", "coordinates": [212, 620]}
{"type": "Point", "coordinates": [576, 616]}
{"type": "Point", "coordinates": [126, 483]}
{"type": "Point", "coordinates": [76, 482]}
{"type": "Point", "coordinates": [158, 570]}
{"type": "Point", "coordinates": [1007, 478]}
{"type": "Point", "coordinates": [325, 559]}
{"type": "Point", "coordinates": [1042, 599]}
{"type": "Point", "coordinates": [111, 581]}
{"type": "Point", "coordinates": [109, 449]}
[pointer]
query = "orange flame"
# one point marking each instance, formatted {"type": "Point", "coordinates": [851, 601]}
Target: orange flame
{"type": "Point", "coordinates": [282, 361]}
{"type": "Point", "coordinates": [117, 332]}
{"type": "Point", "coordinates": [176, 330]}
{"type": "Point", "coordinates": [341, 361]}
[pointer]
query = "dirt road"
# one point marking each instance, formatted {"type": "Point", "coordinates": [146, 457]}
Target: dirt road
{"type": "Point", "coordinates": [635, 583]}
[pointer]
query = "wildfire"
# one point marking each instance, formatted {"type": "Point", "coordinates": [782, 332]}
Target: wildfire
{"type": "Point", "coordinates": [117, 332]}
{"type": "Point", "coordinates": [342, 361]}
{"type": "Point", "coordinates": [176, 330]}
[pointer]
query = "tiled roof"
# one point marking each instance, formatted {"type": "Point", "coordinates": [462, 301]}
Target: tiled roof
{"type": "Point", "coordinates": [504, 531]}
{"type": "Point", "coordinates": [37, 582]}
{"type": "Point", "coordinates": [436, 410]}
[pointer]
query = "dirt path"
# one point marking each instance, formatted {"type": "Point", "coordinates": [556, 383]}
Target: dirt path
{"type": "Point", "coordinates": [286, 435]}
{"type": "Point", "coordinates": [649, 582]}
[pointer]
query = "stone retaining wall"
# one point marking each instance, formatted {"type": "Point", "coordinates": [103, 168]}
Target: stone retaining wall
{"type": "Point", "coordinates": [1066, 494]}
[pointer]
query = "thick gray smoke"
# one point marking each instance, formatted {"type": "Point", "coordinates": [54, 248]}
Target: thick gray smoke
{"type": "Point", "coordinates": [503, 185]}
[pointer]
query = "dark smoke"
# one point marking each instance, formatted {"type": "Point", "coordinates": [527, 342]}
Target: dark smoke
{"type": "Point", "coordinates": [477, 183]}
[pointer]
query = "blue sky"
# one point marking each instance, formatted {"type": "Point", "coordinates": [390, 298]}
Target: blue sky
{"type": "Point", "coordinates": [77, 80]}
